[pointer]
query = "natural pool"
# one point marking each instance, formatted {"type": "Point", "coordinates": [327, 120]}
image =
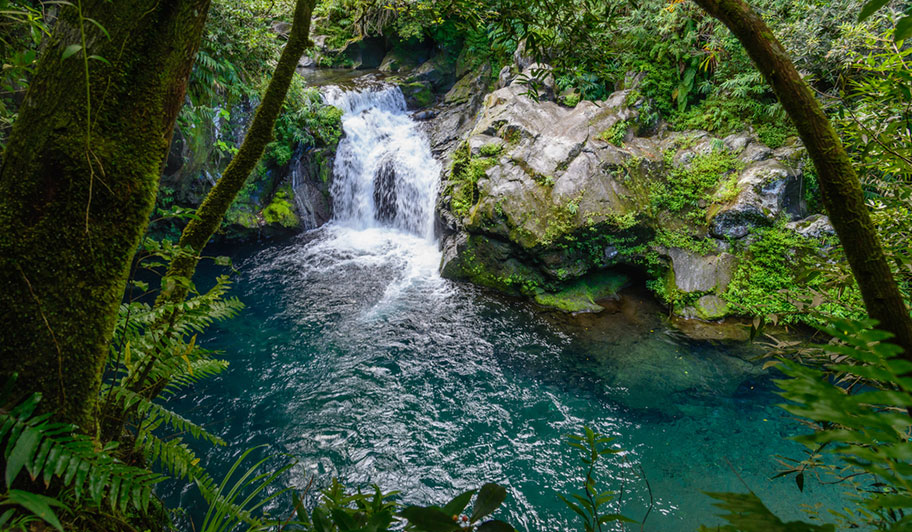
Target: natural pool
{"type": "Point", "coordinates": [356, 358]}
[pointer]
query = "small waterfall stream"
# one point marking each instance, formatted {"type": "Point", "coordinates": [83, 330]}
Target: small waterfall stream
{"type": "Point", "coordinates": [357, 358]}
{"type": "Point", "coordinates": [384, 174]}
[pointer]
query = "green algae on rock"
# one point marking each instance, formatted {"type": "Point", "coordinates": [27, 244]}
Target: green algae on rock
{"type": "Point", "coordinates": [584, 294]}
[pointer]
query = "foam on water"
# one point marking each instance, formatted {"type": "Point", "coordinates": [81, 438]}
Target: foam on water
{"type": "Point", "coordinates": [384, 173]}
{"type": "Point", "coordinates": [357, 358]}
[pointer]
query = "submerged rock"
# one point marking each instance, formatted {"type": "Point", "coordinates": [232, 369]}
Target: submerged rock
{"type": "Point", "coordinates": [584, 294]}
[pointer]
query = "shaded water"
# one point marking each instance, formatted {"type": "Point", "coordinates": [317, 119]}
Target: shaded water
{"type": "Point", "coordinates": [354, 356]}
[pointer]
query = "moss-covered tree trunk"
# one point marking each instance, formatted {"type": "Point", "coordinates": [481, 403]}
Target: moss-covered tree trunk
{"type": "Point", "coordinates": [197, 233]}
{"type": "Point", "coordinates": [839, 185]}
{"type": "Point", "coordinates": [77, 184]}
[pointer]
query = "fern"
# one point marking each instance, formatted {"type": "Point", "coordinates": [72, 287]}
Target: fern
{"type": "Point", "coordinates": [153, 412]}
{"type": "Point", "coordinates": [49, 450]}
{"type": "Point", "coordinates": [173, 456]}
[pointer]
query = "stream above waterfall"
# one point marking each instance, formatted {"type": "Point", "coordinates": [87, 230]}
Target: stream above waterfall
{"type": "Point", "coordinates": [355, 357]}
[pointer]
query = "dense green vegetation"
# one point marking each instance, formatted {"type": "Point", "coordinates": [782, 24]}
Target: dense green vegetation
{"type": "Point", "coordinates": [93, 467]}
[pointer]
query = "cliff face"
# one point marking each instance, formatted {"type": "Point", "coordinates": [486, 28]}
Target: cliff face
{"type": "Point", "coordinates": [544, 200]}
{"type": "Point", "coordinates": [287, 193]}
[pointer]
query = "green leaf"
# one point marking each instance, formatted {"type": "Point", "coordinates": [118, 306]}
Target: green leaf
{"type": "Point", "coordinates": [70, 50]}
{"type": "Point", "coordinates": [98, 24]}
{"type": "Point", "coordinates": [609, 518]}
{"type": "Point", "coordinates": [321, 521]}
{"type": "Point", "coordinates": [495, 526]}
{"type": "Point", "coordinates": [903, 29]}
{"type": "Point", "coordinates": [458, 504]}
{"type": "Point", "coordinates": [21, 453]}
{"type": "Point", "coordinates": [868, 9]}
{"type": "Point", "coordinates": [299, 508]}
{"type": "Point", "coordinates": [6, 516]}
{"type": "Point", "coordinates": [345, 521]}
{"type": "Point", "coordinates": [429, 519]}
{"type": "Point", "coordinates": [490, 497]}
{"type": "Point", "coordinates": [38, 505]}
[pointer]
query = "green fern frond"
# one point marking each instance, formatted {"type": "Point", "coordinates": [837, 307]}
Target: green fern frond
{"type": "Point", "coordinates": [47, 450]}
{"type": "Point", "coordinates": [145, 409]}
{"type": "Point", "coordinates": [174, 456]}
{"type": "Point", "coordinates": [184, 375]}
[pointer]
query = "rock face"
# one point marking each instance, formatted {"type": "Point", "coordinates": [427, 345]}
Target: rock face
{"type": "Point", "coordinates": [385, 192]}
{"type": "Point", "coordinates": [694, 272]}
{"type": "Point", "coordinates": [540, 195]}
{"type": "Point", "coordinates": [365, 53]}
{"type": "Point", "coordinates": [279, 200]}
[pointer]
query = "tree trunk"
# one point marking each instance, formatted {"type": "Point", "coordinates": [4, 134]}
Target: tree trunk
{"type": "Point", "coordinates": [839, 185]}
{"type": "Point", "coordinates": [197, 233]}
{"type": "Point", "coordinates": [77, 184]}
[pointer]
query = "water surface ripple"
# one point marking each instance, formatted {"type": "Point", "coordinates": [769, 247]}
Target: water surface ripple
{"type": "Point", "coordinates": [358, 359]}
{"type": "Point", "coordinates": [355, 357]}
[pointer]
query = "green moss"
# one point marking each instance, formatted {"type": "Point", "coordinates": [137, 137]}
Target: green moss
{"type": "Point", "coordinates": [242, 217]}
{"type": "Point", "coordinates": [419, 92]}
{"type": "Point", "coordinates": [711, 307]}
{"type": "Point", "coordinates": [616, 133]}
{"type": "Point", "coordinates": [478, 265]}
{"type": "Point", "coordinates": [465, 173]}
{"type": "Point", "coordinates": [773, 273]}
{"type": "Point", "coordinates": [560, 221]}
{"type": "Point", "coordinates": [491, 150]}
{"type": "Point", "coordinates": [571, 100]}
{"type": "Point", "coordinates": [280, 210]}
{"type": "Point", "coordinates": [688, 185]}
{"type": "Point", "coordinates": [684, 240]}
{"type": "Point", "coordinates": [582, 295]}
{"type": "Point", "coordinates": [729, 190]}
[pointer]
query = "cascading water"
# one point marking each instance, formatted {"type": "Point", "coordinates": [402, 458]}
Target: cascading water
{"type": "Point", "coordinates": [384, 174]}
{"type": "Point", "coordinates": [357, 358]}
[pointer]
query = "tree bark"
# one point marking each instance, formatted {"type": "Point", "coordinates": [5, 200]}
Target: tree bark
{"type": "Point", "coordinates": [176, 283]}
{"type": "Point", "coordinates": [77, 184]}
{"type": "Point", "coordinates": [839, 185]}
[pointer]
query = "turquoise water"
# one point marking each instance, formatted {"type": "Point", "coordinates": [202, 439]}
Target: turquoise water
{"type": "Point", "coordinates": [356, 358]}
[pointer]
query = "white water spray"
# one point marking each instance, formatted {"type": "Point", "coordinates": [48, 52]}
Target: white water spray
{"type": "Point", "coordinates": [384, 174]}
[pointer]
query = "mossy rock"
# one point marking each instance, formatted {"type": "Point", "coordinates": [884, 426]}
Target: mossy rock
{"type": "Point", "coordinates": [583, 294]}
{"type": "Point", "coordinates": [417, 94]}
{"type": "Point", "coordinates": [280, 211]}
{"type": "Point", "coordinates": [711, 307]}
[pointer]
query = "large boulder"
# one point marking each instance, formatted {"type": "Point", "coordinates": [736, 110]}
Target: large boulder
{"type": "Point", "coordinates": [438, 71]}
{"type": "Point", "coordinates": [767, 189]}
{"type": "Point", "coordinates": [540, 196]}
{"type": "Point", "coordinates": [693, 272]}
{"type": "Point", "coordinates": [405, 56]}
{"type": "Point", "coordinates": [457, 113]}
{"type": "Point", "coordinates": [815, 226]}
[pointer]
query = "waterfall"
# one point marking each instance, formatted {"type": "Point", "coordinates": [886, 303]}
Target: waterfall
{"type": "Point", "coordinates": [384, 173]}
